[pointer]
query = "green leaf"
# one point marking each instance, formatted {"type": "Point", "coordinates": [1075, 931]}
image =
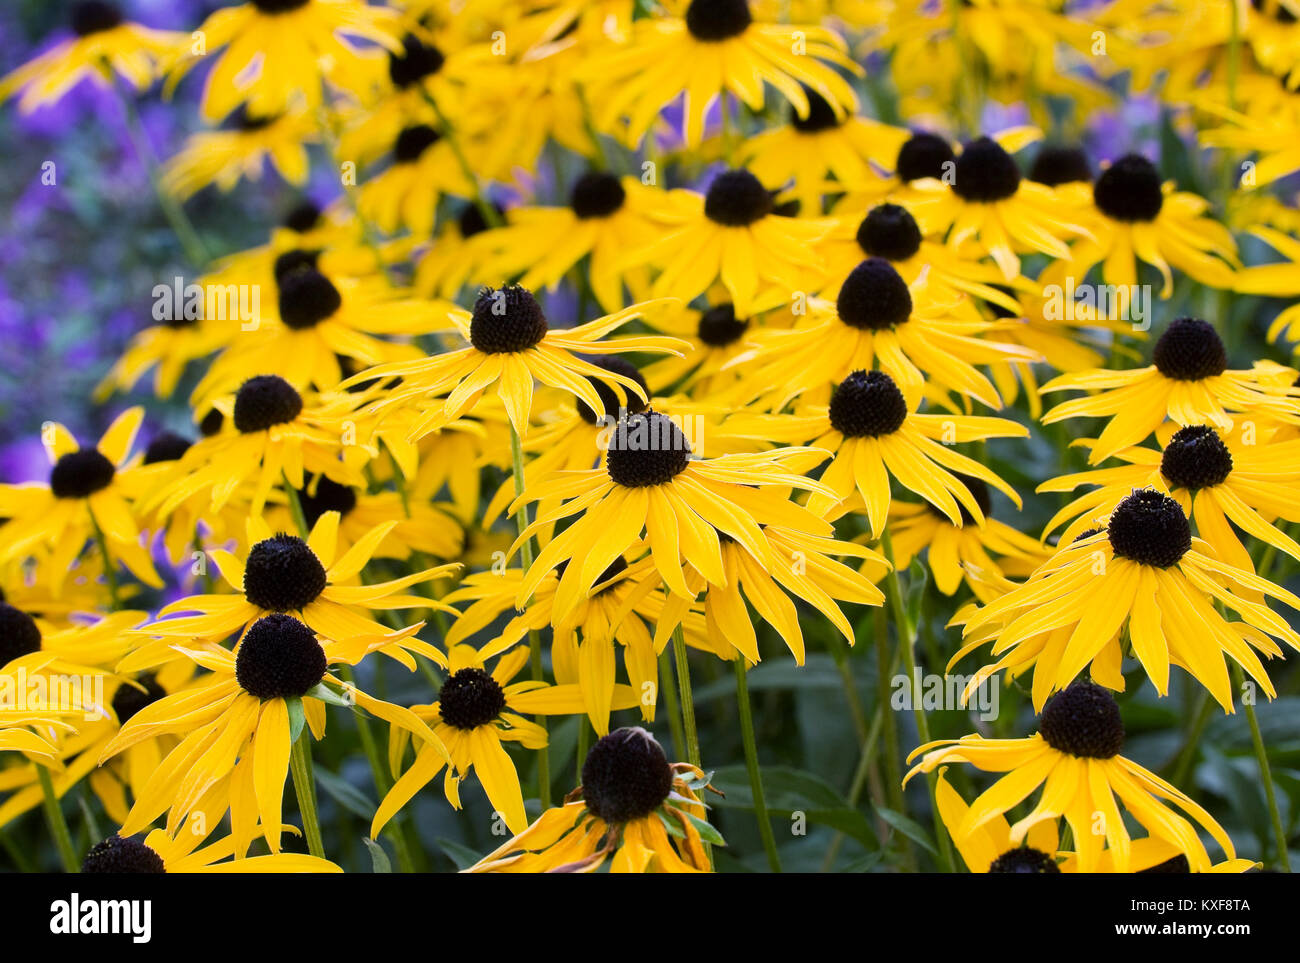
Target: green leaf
{"type": "Point", "coordinates": [330, 697]}
{"type": "Point", "coordinates": [296, 718]}
{"type": "Point", "coordinates": [344, 793]}
{"type": "Point", "coordinates": [707, 832]}
{"type": "Point", "coordinates": [818, 672]}
{"type": "Point", "coordinates": [461, 855]}
{"type": "Point", "coordinates": [379, 862]}
{"type": "Point", "coordinates": [908, 827]}
{"type": "Point", "coordinates": [788, 791]}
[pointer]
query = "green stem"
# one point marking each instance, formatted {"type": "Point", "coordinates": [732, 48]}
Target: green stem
{"type": "Point", "coordinates": [196, 251]}
{"type": "Point", "coordinates": [58, 825]}
{"type": "Point", "coordinates": [688, 702]}
{"type": "Point", "coordinates": [1266, 774]}
{"type": "Point", "coordinates": [751, 763]}
{"type": "Point", "coordinates": [490, 215]}
{"type": "Point", "coordinates": [304, 787]}
{"type": "Point", "coordinates": [907, 642]}
{"type": "Point", "coordinates": [110, 569]}
{"type": "Point", "coordinates": [534, 639]}
{"type": "Point", "coordinates": [295, 507]}
{"type": "Point", "coordinates": [668, 685]}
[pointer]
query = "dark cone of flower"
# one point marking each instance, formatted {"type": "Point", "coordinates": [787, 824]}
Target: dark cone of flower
{"type": "Point", "coordinates": [328, 496]}
{"type": "Point", "coordinates": [293, 261]}
{"type": "Point", "coordinates": [1190, 350]}
{"type": "Point", "coordinates": [307, 298]}
{"type": "Point", "coordinates": [719, 326]}
{"type": "Point", "coordinates": [211, 423]}
{"type": "Point", "coordinates": [1196, 458]}
{"type": "Point", "coordinates": [1058, 164]}
{"type": "Point", "coordinates": [874, 296]}
{"type": "Point", "coordinates": [889, 231]}
{"type": "Point", "coordinates": [19, 634]}
{"type": "Point", "coordinates": [470, 698]}
{"type": "Point", "coordinates": [714, 20]}
{"type": "Point", "coordinates": [302, 217]}
{"type": "Point", "coordinates": [91, 16]}
{"type": "Point", "coordinates": [619, 366]}
{"type": "Point", "coordinates": [923, 155]}
{"type": "Point", "coordinates": [867, 404]}
{"type": "Point", "coordinates": [282, 574]}
{"type": "Point", "coordinates": [414, 141]}
{"type": "Point", "coordinates": [1174, 864]}
{"type": "Point", "coordinates": [79, 474]}
{"type": "Point", "coordinates": [737, 198]}
{"type": "Point", "coordinates": [1129, 190]}
{"type": "Point", "coordinates": [279, 658]}
{"type": "Point", "coordinates": [166, 446]}
{"type": "Point", "coordinates": [646, 449]}
{"type": "Point", "coordinates": [118, 855]}
{"type": "Point", "coordinates": [596, 194]}
{"type": "Point", "coordinates": [506, 320]}
{"type": "Point", "coordinates": [265, 400]}
{"type": "Point", "coordinates": [1149, 528]}
{"type": "Point", "coordinates": [821, 115]}
{"type": "Point", "coordinates": [128, 700]}
{"type": "Point", "coordinates": [1024, 860]}
{"type": "Point", "coordinates": [979, 491]}
{"type": "Point", "coordinates": [625, 776]}
{"type": "Point", "coordinates": [986, 172]}
{"type": "Point", "coordinates": [416, 61]}
{"type": "Point", "coordinates": [1083, 720]}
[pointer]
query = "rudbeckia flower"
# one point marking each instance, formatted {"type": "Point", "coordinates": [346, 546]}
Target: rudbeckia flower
{"type": "Point", "coordinates": [241, 150]}
{"type": "Point", "coordinates": [1216, 478]}
{"type": "Point", "coordinates": [277, 51]}
{"type": "Point", "coordinates": [871, 433]}
{"type": "Point", "coordinates": [716, 335]}
{"type": "Point", "coordinates": [1076, 754]}
{"type": "Point", "coordinates": [732, 234]}
{"type": "Point", "coordinates": [952, 549]}
{"type": "Point", "coordinates": [318, 323]}
{"type": "Point", "coordinates": [510, 344]}
{"type": "Point", "coordinates": [651, 484]}
{"type": "Point", "coordinates": [633, 808]}
{"type": "Point", "coordinates": [453, 260]}
{"type": "Point", "coordinates": [239, 721]}
{"type": "Point", "coordinates": [104, 47]}
{"type": "Point", "coordinates": [160, 852]}
{"type": "Point", "coordinates": [606, 218]}
{"type": "Point", "coordinates": [984, 203]}
{"type": "Point", "coordinates": [825, 144]}
{"type": "Point", "coordinates": [1280, 279]}
{"type": "Point", "coordinates": [308, 578]}
{"type": "Point", "coordinates": [877, 317]}
{"type": "Point", "coordinates": [1156, 579]}
{"type": "Point", "coordinates": [424, 169]}
{"type": "Point", "coordinates": [1188, 381]}
{"type": "Point", "coordinates": [1139, 218]}
{"type": "Point", "coordinates": [802, 568]}
{"type": "Point", "coordinates": [91, 491]}
{"type": "Point", "coordinates": [705, 48]}
{"type": "Point", "coordinates": [475, 712]}
{"type": "Point", "coordinates": [276, 437]}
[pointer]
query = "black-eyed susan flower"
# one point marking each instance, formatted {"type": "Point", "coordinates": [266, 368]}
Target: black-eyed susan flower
{"type": "Point", "coordinates": [511, 343]}
{"type": "Point", "coordinates": [607, 216]}
{"type": "Point", "coordinates": [241, 151]}
{"type": "Point", "coordinates": [951, 550]}
{"type": "Point", "coordinates": [1215, 476]}
{"type": "Point", "coordinates": [160, 852]}
{"type": "Point", "coordinates": [406, 194]}
{"type": "Point", "coordinates": [634, 809]}
{"type": "Point", "coordinates": [985, 203]}
{"type": "Point", "coordinates": [650, 484]}
{"type": "Point", "coordinates": [877, 318]}
{"type": "Point", "coordinates": [276, 437]}
{"type": "Point", "coordinates": [826, 144]}
{"type": "Point", "coordinates": [732, 234]}
{"type": "Point", "coordinates": [475, 712]}
{"type": "Point", "coordinates": [453, 260]}
{"type": "Point", "coordinates": [1075, 757]}
{"type": "Point", "coordinates": [1134, 218]}
{"type": "Point", "coordinates": [275, 52]}
{"type": "Point", "coordinates": [704, 48]}
{"type": "Point", "coordinates": [872, 434]}
{"type": "Point", "coordinates": [308, 578]}
{"type": "Point", "coordinates": [1188, 382]}
{"type": "Point", "coordinates": [1280, 279]}
{"type": "Point", "coordinates": [238, 722]}
{"type": "Point", "coordinates": [1158, 581]}
{"type": "Point", "coordinates": [104, 46]}
{"type": "Point", "coordinates": [90, 495]}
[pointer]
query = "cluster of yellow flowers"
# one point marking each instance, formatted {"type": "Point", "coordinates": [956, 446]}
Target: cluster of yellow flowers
{"type": "Point", "coordinates": [697, 403]}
